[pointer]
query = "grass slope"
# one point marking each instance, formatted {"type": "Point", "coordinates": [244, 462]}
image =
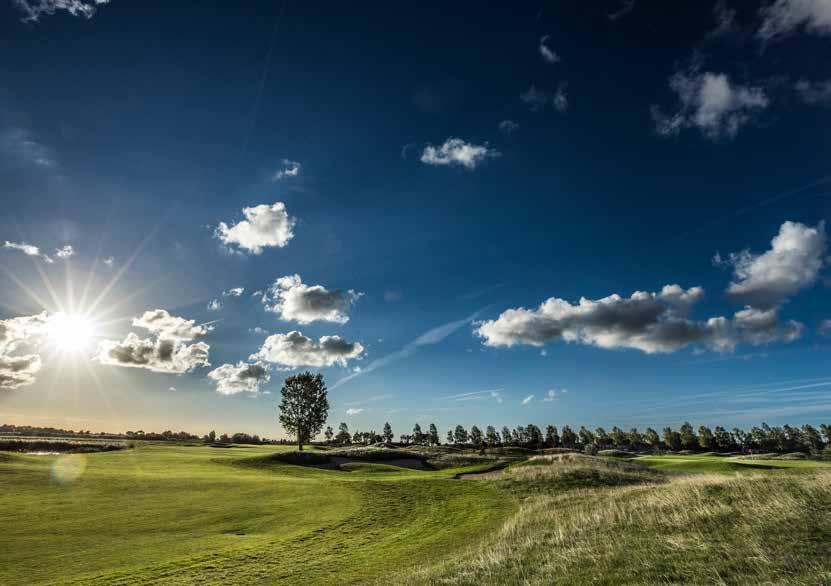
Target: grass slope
{"type": "Point", "coordinates": [182, 515]}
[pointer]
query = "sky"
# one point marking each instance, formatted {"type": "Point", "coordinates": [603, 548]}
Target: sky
{"type": "Point", "coordinates": [606, 213]}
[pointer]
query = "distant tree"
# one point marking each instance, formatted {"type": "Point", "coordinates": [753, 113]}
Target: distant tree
{"type": "Point", "coordinates": [601, 438]}
{"type": "Point", "coordinates": [552, 438]}
{"type": "Point", "coordinates": [304, 406]}
{"type": "Point", "coordinates": [812, 438]}
{"type": "Point", "coordinates": [460, 435]}
{"type": "Point", "coordinates": [618, 437]}
{"type": "Point", "coordinates": [223, 438]}
{"type": "Point", "coordinates": [688, 439]}
{"type": "Point", "coordinates": [722, 439]}
{"type": "Point", "coordinates": [387, 433]}
{"type": "Point", "coordinates": [517, 434]}
{"type": "Point", "coordinates": [506, 435]}
{"type": "Point", "coordinates": [491, 437]}
{"type": "Point", "coordinates": [706, 439]}
{"type": "Point", "coordinates": [650, 437]}
{"type": "Point", "coordinates": [405, 438]}
{"type": "Point", "coordinates": [825, 429]}
{"type": "Point", "coordinates": [672, 439]}
{"type": "Point", "coordinates": [343, 436]}
{"type": "Point", "coordinates": [418, 436]}
{"type": "Point", "coordinates": [329, 434]}
{"type": "Point", "coordinates": [568, 437]}
{"type": "Point", "coordinates": [450, 436]}
{"type": "Point", "coordinates": [212, 436]}
{"type": "Point", "coordinates": [534, 437]}
{"type": "Point", "coordinates": [635, 438]}
{"type": "Point", "coordinates": [586, 437]}
{"type": "Point", "coordinates": [476, 436]}
{"type": "Point", "coordinates": [742, 439]}
{"type": "Point", "coordinates": [433, 435]}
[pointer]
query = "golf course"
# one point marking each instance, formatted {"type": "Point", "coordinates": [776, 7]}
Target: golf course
{"type": "Point", "coordinates": [200, 514]}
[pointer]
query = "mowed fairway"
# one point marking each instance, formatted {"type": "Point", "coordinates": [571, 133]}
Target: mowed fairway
{"type": "Point", "coordinates": [195, 515]}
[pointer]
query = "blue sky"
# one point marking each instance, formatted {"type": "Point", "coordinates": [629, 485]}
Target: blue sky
{"type": "Point", "coordinates": [432, 175]}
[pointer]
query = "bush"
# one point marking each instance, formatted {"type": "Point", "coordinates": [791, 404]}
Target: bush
{"type": "Point", "coordinates": [590, 450]}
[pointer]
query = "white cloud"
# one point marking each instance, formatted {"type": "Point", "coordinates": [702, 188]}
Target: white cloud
{"type": "Point", "coordinates": [527, 399]}
{"type": "Point", "coordinates": [547, 54]}
{"type": "Point", "coordinates": [294, 349]}
{"type": "Point", "coordinates": [258, 330]}
{"type": "Point", "coordinates": [649, 322]}
{"type": "Point", "coordinates": [173, 389]}
{"type": "Point", "coordinates": [34, 9]}
{"type": "Point", "coordinates": [537, 100]}
{"type": "Point", "coordinates": [792, 264]}
{"type": "Point", "coordinates": [234, 292]}
{"type": "Point", "coordinates": [757, 326]}
{"type": "Point", "coordinates": [296, 301]}
{"type": "Point", "coordinates": [231, 379]}
{"type": "Point", "coordinates": [27, 249]}
{"type": "Point", "coordinates": [170, 327]}
{"type": "Point", "coordinates": [109, 261]}
{"type": "Point", "coordinates": [65, 252]}
{"type": "Point", "coordinates": [214, 305]}
{"type": "Point", "coordinates": [814, 92]}
{"type": "Point", "coordinates": [495, 394]}
{"type": "Point", "coordinates": [508, 126]}
{"type": "Point", "coordinates": [264, 226]}
{"type": "Point", "coordinates": [154, 354]}
{"type": "Point", "coordinates": [20, 340]}
{"type": "Point", "coordinates": [354, 410]}
{"type": "Point", "coordinates": [290, 169]}
{"type": "Point", "coordinates": [457, 152]}
{"type": "Point", "coordinates": [783, 17]}
{"type": "Point", "coordinates": [626, 6]}
{"type": "Point", "coordinates": [551, 395]}
{"type": "Point", "coordinates": [710, 103]}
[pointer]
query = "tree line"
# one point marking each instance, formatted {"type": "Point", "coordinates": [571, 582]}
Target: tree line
{"type": "Point", "coordinates": [763, 438]}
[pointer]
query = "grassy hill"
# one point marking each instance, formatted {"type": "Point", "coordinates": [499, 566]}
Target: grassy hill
{"type": "Point", "coordinates": [166, 514]}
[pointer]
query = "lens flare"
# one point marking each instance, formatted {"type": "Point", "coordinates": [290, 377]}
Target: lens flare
{"type": "Point", "coordinates": [68, 469]}
{"type": "Point", "coordinates": [70, 332]}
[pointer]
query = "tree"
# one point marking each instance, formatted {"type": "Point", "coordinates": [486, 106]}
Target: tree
{"type": "Point", "coordinates": [533, 435]}
{"type": "Point", "coordinates": [635, 438]}
{"type": "Point", "coordinates": [491, 436]}
{"type": "Point", "coordinates": [650, 436]}
{"type": "Point", "coordinates": [329, 434]}
{"type": "Point", "coordinates": [672, 439]}
{"type": "Point", "coordinates": [705, 438]}
{"type": "Point", "coordinates": [418, 436]}
{"type": "Point", "coordinates": [812, 438]}
{"type": "Point", "coordinates": [460, 435]}
{"type": "Point", "coordinates": [826, 431]}
{"type": "Point", "coordinates": [586, 437]}
{"type": "Point", "coordinates": [601, 438]}
{"type": "Point", "coordinates": [343, 436]}
{"type": "Point", "coordinates": [476, 436]}
{"type": "Point", "coordinates": [506, 435]}
{"type": "Point", "coordinates": [688, 439]}
{"type": "Point", "coordinates": [433, 435]}
{"type": "Point", "coordinates": [212, 436]}
{"type": "Point", "coordinates": [568, 437]}
{"type": "Point", "coordinates": [618, 437]}
{"type": "Point", "coordinates": [450, 436]}
{"type": "Point", "coordinates": [552, 439]}
{"type": "Point", "coordinates": [387, 433]}
{"type": "Point", "coordinates": [304, 406]}
{"type": "Point", "coordinates": [722, 439]}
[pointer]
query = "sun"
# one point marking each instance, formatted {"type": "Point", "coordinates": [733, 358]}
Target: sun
{"type": "Point", "coordinates": [70, 332]}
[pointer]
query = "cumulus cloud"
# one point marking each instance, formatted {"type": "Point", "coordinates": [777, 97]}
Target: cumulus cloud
{"type": "Point", "coordinates": [527, 400]}
{"type": "Point", "coordinates": [783, 17]}
{"type": "Point", "coordinates": [814, 92]}
{"type": "Point", "coordinates": [289, 169]}
{"type": "Point", "coordinates": [711, 103]}
{"type": "Point", "coordinates": [170, 327]}
{"type": "Point", "coordinates": [758, 327]}
{"type": "Point", "coordinates": [20, 340]}
{"type": "Point", "coordinates": [793, 263]}
{"type": "Point", "coordinates": [65, 252]}
{"type": "Point", "coordinates": [547, 54]}
{"type": "Point", "coordinates": [537, 99]}
{"type": "Point", "coordinates": [296, 301]}
{"type": "Point", "coordinates": [34, 9]}
{"type": "Point", "coordinates": [231, 379]}
{"type": "Point", "coordinates": [27, 249]}
{"type": "Point", "coordinates": [354, 410]}
{"type": "Point", "coordinates": [155, 354]}
{"type": "Point", "coordinates": [234, 292]}
{"type": "Point", "coordinates": [649, 322]}
{"type": "Point", "coordinates": [508, 126]}
{"type": "Point", "coordinates": [457, 152]}
{"type": "Point", "coordinates": [264, 226]}
{"type": "Point", "coordinates": [294, 349]}
{"type": "Point", "coordinates": [214, 305]}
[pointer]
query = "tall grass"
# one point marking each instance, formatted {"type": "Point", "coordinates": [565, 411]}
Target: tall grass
{"type": "Point", "coordinates": [753, 529]}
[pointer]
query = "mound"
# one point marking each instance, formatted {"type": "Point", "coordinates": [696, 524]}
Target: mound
{"type": "Point", "coordinates": [558, 451]}
{"type": "Point", "coordinates": [616, 454]}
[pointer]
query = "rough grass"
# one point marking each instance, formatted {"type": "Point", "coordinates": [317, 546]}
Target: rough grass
{"type": "Point", "coordinates": [761, 528]}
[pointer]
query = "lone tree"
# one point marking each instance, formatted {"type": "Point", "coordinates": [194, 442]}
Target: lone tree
{"type": "Point", "coordinates": [304, 407]}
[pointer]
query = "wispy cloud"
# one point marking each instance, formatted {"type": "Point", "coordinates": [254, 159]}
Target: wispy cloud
{"type": "Point", "coordinates": [354, 411]}
{"type": "Point", "coordinates": [548, 55]}
{"type": "Point", "coordinates": [289, 169]}
{"type": "Point", "coordinates": [34, 9]}
{"type": "Point", "coordinates": [495, 394]}
{"type": "Point", "coordinates": [456, 152]}
{"type": "Point", "coordinates": [428, 338]}
{"type": "Point", "coordinates": [527, 400]}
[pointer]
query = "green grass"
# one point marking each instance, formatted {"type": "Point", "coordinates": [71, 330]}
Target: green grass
{"type": "Point", "coordinates": [185, 515]}
{"type": "Point", "coordinates": [714, 464]}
